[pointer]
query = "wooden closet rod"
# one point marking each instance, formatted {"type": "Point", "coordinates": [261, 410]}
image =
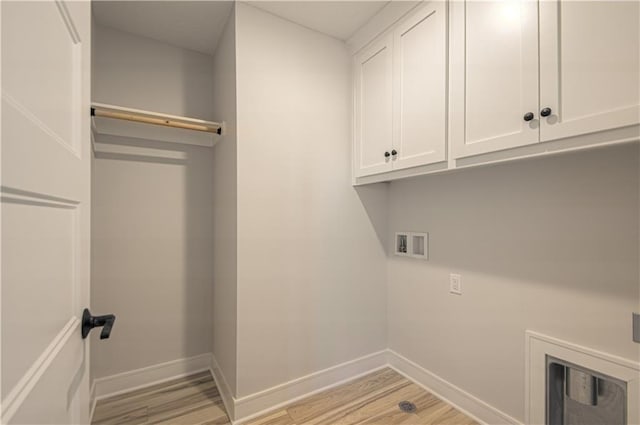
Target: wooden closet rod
{"type": "Point", "coordinates": [130, 116]}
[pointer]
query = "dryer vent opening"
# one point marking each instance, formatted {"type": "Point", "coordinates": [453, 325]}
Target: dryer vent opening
{"type": "Point", "coordinates": [577, 395]}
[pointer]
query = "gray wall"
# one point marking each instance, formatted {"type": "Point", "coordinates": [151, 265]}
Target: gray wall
{"type": "Point", "coordinates": [151, 210]}
{"type": "Point", "coordinates": [311, 270]}
{"type": "Point", "coordinates": [138, 72]}
{"type": "Point", "coordinates": [549, 245]}
{"type": "Point", "coordinates": [225, 208]}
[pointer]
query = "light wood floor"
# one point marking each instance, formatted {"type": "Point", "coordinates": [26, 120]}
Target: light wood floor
{"type": "Point", "coordinates": [190, 400]}
{"type": "Point", "coordinates": [372, 399]}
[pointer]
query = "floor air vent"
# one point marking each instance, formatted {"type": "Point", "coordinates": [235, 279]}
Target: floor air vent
{"type": "Point", "coordinates": [407, 406]}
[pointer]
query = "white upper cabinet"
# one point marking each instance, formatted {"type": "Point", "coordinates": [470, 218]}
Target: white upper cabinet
{"type": "Point", "coordinates": [373, 101]}
{"type": "Point", "coordinates": [400, 95]}
{"type": "Point", "coordinates": [462, 78]}
{"type": "Point", "coordinates": [494, 75]}
{"type": "Point", "coordinates": [420, 88]}
{"type": "Point", "coordinates": [589, 66]}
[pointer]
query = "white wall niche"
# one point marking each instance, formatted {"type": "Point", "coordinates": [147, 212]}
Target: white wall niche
{"type": "Point", "coordinates": [419, 245]}
{"type": "Point", "coordinates": [411, 244]}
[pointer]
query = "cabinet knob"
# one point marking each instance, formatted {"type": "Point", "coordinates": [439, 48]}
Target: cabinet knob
{"type": "Point", "coordinates": [528, 116]}
{"type": "Point", "coordinates": [387, 154]}
{"type": "Point", "coordinates": [394, 152]}
{"type": "Point", "coordinates": [545, 112]}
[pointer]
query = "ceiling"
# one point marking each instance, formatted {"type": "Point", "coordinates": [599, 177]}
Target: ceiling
{"type": "Point", "coordinates": [197, 25]}
{"type": "Point", "coordinates": [339, 19]}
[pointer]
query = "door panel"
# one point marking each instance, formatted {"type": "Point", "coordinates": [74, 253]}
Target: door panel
{"type": "Point", "coordinates": [373, 104]}
{"type": "Point", "coordinates": [43, 43]}
{"type": "Point", "coordinates": [42, 233]}
{"type": "Point", "coordinates": [47, 400]}
{"type": "Point", "coordinates": [420, 71]}
{"type": "Point", "coordinates": [494, 76]}
{"type": "Point", "coordinates": [45, 183]}
{"type": "Point", "coordinates": [590, 66]}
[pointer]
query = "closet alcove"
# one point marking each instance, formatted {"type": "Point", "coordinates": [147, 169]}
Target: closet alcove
{"type": "Point", "coordinates": [154, 125]}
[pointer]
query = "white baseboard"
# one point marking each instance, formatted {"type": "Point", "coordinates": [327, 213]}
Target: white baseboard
{"type": "Point", "coordinates": [139, 378]}
{"type": "Point", "coordinates": [455, 396]}
{"type": "Point", "coordinates": [248, 407]}
{"type": "Point", "coordinates": [223, 387]}
{"type": "Point", "coordinates": [256, 404]}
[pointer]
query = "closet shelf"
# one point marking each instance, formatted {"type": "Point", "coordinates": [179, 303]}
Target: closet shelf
{"type": "Point", "coordinates": [119, 121]}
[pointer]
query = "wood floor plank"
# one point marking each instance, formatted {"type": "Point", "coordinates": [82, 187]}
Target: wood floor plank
{"type": "Point", "coordinates": [280, 417]}
{"type": "Point", "coordinates": [190, 400]}
{"type": "Point", "coordinates": [131, 416]}
{"type": "Point", "coordinates": [380, 408]}
{"type": "Point", "coordinates": [218, 421]}
{"type": "Point", "coordinates": [156, 392]}
{"type": "Point", "coordinates": [204, 413]}
{"type": "Point", "coordinates": [305, 410]}
{"type": "Point", "coordinates": [182, 396]}
{"type": "Point", "coordinates": [362, 407]}
{"type": "Point", "coordinates": [161, 387]}
{"type": "Point", "coordinates": [185, 408]}
{"type": "Point", "coordinates": [395, 417]}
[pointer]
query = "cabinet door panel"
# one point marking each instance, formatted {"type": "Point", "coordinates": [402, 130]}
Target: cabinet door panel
{"type": "Point", "coordinates": [494, 76]}
{"type": "Point", "coordinates": [373, 108]}
{"type": "Point", "coordinates": [589, 66]}
{"type": "Point", "coordinates": [420, 87]}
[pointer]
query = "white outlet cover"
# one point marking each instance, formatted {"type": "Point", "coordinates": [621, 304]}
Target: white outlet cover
{"type": "Point", "coordinates": [455, 284]}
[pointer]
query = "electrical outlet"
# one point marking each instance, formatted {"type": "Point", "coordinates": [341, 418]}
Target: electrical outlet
{"type": "Point", "coordinates": [455, 284]}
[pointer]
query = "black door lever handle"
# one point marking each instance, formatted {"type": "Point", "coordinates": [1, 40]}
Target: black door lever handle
{"type": "Point", "coordinates": [89, 322]}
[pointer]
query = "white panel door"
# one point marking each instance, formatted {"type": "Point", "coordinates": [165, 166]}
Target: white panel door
{"type": "Point", "coordinates": [45, 184]}
{"type": "Point", "coordinates": [589, 66]}
{"type": "Point", "coordinates": [373, 108]}
{"type": "Point", "coordinates": [420, 88]}
{"type": "Point", "coordinates": [494, 75]}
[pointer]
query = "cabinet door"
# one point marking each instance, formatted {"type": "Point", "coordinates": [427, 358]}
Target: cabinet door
{"type": "Point", "coordinates": [494, 75]}
{"type": "Point", "coordinates": [373, 108]}
{"type": "Point", "coordinates": [420, 87]}
{"type": "Point", "coordinates": [589, 66]}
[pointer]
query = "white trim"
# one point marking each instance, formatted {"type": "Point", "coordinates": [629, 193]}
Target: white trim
{"type": "Point", "coordinates": [391, 13]}
{"type": "Point", "coordinates": [223, 388]}
{"type": "Point", "coordinates": [26, 113]}
{"type": "Point", "coordinates": [120, 383]}
{"type": "Point", "coordinates": [256, 404]}
{"type": "Point", "coordinates": [29, 380]}
{"type": "Point", "coordinates": [93, 401]}
{"type": "Point", "coordinates": [68, 21]}
{"type": "Point", "coordinates": [538, 346]}
{"type": "Point", "coordinates": [584, 142]}
{"type": "Point", "coordinates": [465, 402]}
